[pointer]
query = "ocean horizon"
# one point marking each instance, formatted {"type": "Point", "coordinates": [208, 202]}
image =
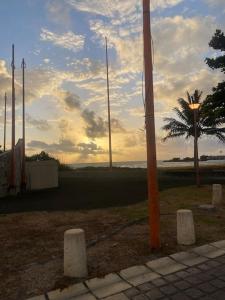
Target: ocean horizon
{"type": "Point", "coordinates": [143, 164]}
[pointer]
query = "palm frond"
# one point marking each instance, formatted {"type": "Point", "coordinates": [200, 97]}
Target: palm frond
{"type": "Point", "coordinates": [181, 115]}
{"type": "Point", "coordinates": [173, 135]}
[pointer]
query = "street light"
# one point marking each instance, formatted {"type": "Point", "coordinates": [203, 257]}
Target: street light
{"type": "Point", "coordinates": [195, 107]}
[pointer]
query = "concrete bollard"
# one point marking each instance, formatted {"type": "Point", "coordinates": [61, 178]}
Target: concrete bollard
{"type": "Point", "coordinates": [185, 227]}
{"type": "Point", "coordinates": [75, 257]}
{"type": "Point", "coordinates": [217, 197]}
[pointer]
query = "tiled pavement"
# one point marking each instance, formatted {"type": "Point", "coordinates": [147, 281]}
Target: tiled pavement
{"type": "Point", "coordinates": [197, 274]}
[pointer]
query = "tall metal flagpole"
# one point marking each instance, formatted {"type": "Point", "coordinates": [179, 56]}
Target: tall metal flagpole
{"type": "Point", "coordinates": [12, 179]}
{"type": "Point", "coordinates": [5, 123]}
{"type": "Point", "coordinates": [153, 194]}
{"type": "Point", "coordinates": [109, 117]}
{"type": "Point", "coordinates": [23, 170]}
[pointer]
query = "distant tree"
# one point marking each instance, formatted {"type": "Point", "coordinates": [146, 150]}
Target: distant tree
{"type": "Point", "coordinates": [41, 156]}
{"type": "Point", "coordinates": [184, 125]}
{"type": "Point", "coordinates": [215, 103]}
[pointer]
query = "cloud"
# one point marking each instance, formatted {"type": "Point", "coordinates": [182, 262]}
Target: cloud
{"type": "Point", "coordinates": [67, 146]}
{"type": "Point", "coordinates": [63, 125]}
{"type": "Point", "coordinates": [46, 60]}
{"type": "Point", "coordinates": [97, 127]}
{"type": "Point", "coordinates": [58, 12]}
{"type": "Point", "coordinates": [215, 3]}
{"type": "Point", "coordinates": [67, 40]}
{"type": "Point", "coordinates": [113, 8]}
{"type": "Point", "coordinates": [63, 146]}
{"type": "Point", "coordinates": [39, 124]}
{"type": "Point", "coordinates": [72, 101]}
{"type": "Point", "coordinates": [5, 78]}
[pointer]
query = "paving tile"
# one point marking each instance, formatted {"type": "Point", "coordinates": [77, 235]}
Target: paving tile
{"type": "Point", "coordinates": [140, 297]}
{"type": "Point", "coordinates": [138, 274]}
{"type": "Point", "coordinates": [213, 263]}
{"type": "Point", "coordinates": [195, 279]}
{"type": "Point", "coordinates": [159, 282]}
{"type": "Point", "coordinates": [207, 287]}
{"type": "Point", "coordinates": [109, 285]}
{"type": "Point", "coordinates": [219, 244]}
{"type": "Point", "coordinates": [194, 293]}
{"type": "Point", "coordinates": [155, 294]}
{"type": "Point", "coordinates": [179, 296]}
{"type": "Point", "coordinates": [208, 251]}
{"type": "Point", "coordinates": [218, 283]}
{"type": "Point", "coordinates": [171, 278]}
{"type": "Point", "coordinates": [87, 296]}
{"type": "Point", "coordinates": [204, 267]}
{"type": "Point", "coordinates": [132, 292]}
{"type": "Point", "coordinates": [182, 284]}
{"type": "Point", "coordinates": [168, 289]}
{"type": "Point", "coordinates": [188, 258]}
{"type": "Point", "coordinates": [165, 266]}
{"type": "Point", "coordinates": [120, 296]}
{"type": "Point", "coordinates": [220, 295]}
{"type": "Point", "coordinates": [42, 297]}
{"type": "Point", "coordinates": [221, 259]}
{"type": "Point", "coordinates": [182, 274]}
{"type": "Point", "coordinates": [146, 287]}
{"type": "Point", "coordinates": [193, 270]}
{"type": "Point", "coordinates": [72, 291]}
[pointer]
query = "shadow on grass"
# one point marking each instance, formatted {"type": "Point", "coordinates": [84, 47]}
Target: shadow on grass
{"type": "Point", "coordinates": [93, 189]}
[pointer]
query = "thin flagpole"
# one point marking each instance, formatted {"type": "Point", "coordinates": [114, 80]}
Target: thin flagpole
{"type": "Point", "coordinates": [12, 181]}
{"type": "Point", "coordinates": [5, 123]}
{"type": "Point", "coordinates": [109, 116]}
{"type": "Point", "coordinates": [23, 171]}
{"type": "Point", "coordinates": [153, 193]}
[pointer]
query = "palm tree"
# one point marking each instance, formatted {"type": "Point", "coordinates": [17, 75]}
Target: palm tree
{"type": "Point", "coordinates": [185, 124]}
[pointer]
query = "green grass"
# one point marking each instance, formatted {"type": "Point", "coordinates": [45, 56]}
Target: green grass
{"type": "Point", "coordinates": [96, 188]}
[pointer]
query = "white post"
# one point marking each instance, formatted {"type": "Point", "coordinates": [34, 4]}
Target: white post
{"type": "Point", "coordinates": [185, 227]}
{"type": "Point", "coordinates": [75, 258]}
{"type": "Point", "coordinates": [217, 197]}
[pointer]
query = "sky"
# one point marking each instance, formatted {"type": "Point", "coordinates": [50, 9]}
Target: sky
{"type": "Point", "coordinates": [63, 43]}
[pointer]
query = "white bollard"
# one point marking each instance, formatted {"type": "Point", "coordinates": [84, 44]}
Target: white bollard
{"type": "Point", "coordinates": [185, 227]}
{"type": "Point", "coordinates": [217, 197]}
{"type": "Point", "coordinates": [75, 257]}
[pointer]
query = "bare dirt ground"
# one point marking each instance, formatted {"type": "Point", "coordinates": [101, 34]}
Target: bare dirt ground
{"type": "Point", "coordinates": [32, 243]}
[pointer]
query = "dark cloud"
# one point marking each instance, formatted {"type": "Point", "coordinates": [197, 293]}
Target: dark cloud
{"type": "Point", "coordinates": [97, 127]}
{"type": "Point", "coordinates": [40, 124]}
{"type": "Point", "coordinates": [67, 146]}
{"type": "Point", "coordinates": [72, 101]}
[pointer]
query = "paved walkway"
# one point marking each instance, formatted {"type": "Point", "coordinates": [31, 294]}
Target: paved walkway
{"type": "Point", "coordinates": [197, 274]}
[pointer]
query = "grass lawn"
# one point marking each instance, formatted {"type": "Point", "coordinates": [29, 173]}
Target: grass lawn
{"type": "Point", "coordinates": [32, 242]}
{"type": "Point", "coordinates": [96, 188]}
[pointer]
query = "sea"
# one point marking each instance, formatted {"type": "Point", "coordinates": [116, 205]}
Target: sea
{"type": "Point", "coordinates": [143, 164]}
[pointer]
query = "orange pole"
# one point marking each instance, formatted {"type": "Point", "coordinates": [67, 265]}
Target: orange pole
{"type": "Point", "coordinates": [153, 194]}
{"type": "Point", "coordinates": [12, 178]}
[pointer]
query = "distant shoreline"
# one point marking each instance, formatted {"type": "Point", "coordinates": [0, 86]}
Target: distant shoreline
{"type": "Point", "coordinates": [143, 164]}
